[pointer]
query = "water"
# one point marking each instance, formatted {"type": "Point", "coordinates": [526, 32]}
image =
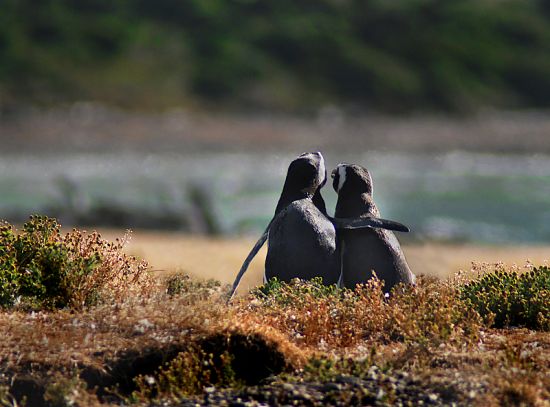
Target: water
{"type": "Point", "coordinates": [453, 196]}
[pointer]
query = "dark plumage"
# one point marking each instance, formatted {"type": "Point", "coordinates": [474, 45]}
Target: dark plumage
{"type": "Point", "coordinates": [301, 238]}
{"type": "Point", "coordinates": [365, 250]}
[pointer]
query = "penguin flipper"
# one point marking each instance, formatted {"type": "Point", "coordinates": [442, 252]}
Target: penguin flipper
{"type": "Point", "coordinates": [247, 261]}
{"type": "Point", "coordinates": [369, 222]}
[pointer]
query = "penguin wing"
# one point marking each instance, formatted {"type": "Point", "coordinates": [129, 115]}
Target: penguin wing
{"type": "Point", "coordinates": [248, 260]}
{"type": "Point", "coordinates": [368, 222]}
{"type": "Point", "coordinates": [254, 251]}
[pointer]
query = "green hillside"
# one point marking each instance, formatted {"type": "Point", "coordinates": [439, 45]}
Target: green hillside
{"type": "Point", "coordinates": [397, 56]}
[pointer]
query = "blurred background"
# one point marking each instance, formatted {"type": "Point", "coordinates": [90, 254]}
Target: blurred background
{"type": "Point", "coordinates": [184, 115]}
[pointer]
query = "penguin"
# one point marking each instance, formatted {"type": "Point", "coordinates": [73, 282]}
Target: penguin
{"type": "Point", "coordinates": [301, 241]}
{"type": "Point", "coordinates": [302, 236]}
{"type": "Point", "coordinates": [366, 250]}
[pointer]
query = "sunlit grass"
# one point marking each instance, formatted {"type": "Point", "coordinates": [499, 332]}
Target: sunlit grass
{"type": "Point", "coordinates": [179, 340]}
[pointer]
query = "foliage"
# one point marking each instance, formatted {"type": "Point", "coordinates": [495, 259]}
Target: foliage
{"type": "Point", "coordinates": [432, 314]}
{"type": "Point", "coordinates": [339, 347]}
{"type": "Point", "coordinates": [6, 399]}
{"type": "Point", "coordinates": [230, 358]}
{"type": "Point", "coordinates": [313, 314]}
{"type": "Point", "coordinates": [508, 298]}
{"type": "Point", "coordinates": [64, 391]}
{"type": "Point", "coordinates": [399, 55]}
{"type": "Point", "coordinates": [189, 373]}
{"type": "Point", "coordinates": [183, 284]}
{"type": "Point", "coordinates": [276, 292]}
{"type": "Point", "coordinates": [41, 268]}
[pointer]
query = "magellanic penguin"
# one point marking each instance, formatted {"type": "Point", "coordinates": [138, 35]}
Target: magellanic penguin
{"type": "Point", "coordinates": [302, 237]}
{"type": "Point", "coordinates": [366, 250]}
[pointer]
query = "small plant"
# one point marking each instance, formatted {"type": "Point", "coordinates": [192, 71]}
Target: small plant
{"type": "Point", "coordinates": [432, 313]}
{"type": "Point", "coordinates": [508, 298]}
{"type": "Point", "coordinates": [6, 399]}
{"type": "Point", "coordinates": [313, 314]}
{"type": "Point", "coordinates": [284, 294]}
{"type": "Point", "coordinates": [188, 374]}
{"type": "Point", "coordinates": [66, 391]}
{"type": "Point", "coordinates": [182, 284]}
{"type": "Point", "coordinates": [41, 268]}
{"type": "Point", "coordinates": [231, 358]}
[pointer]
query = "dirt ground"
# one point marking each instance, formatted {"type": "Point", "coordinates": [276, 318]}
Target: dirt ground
{"type": "Point", "coordinates": [92, 127]}
{"type": "Point", "coordinates": [221, 258]}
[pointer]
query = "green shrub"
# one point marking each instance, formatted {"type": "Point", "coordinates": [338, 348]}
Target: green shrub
{"type": "Point", "coordinates": [189, 373]}
{"type": "Point", "coordinates": [67, 391]}
{"type": "Point", "coordinates": [41, 268]}
{"type": "Point", "coordinates": [276, 292]}
{"type": "Point", "coordinates": [507, 298]}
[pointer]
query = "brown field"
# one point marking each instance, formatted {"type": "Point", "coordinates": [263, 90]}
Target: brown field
{"type": "Point", "coordinates": [220, 258]}
{"type": "Point", "coordinates": [169, 341]}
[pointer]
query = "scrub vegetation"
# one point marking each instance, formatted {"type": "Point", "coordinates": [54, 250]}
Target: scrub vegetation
{"type": "Point", "coordinates": [175, 340]}
{"type": "Point", "coordinates": [44, 269]}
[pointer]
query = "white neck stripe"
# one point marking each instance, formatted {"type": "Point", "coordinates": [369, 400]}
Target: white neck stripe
{"type": "Point", "coordinates": [322, 171]}
{"type": "Point", "coordinates": [341, 176]}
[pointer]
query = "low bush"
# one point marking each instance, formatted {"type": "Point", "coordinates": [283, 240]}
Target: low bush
{"type": "Point", "coordinates": [279, 293]}
{"type": "Point", "coordinates": [313, 314]}
{"type": "Point", "coordinates": [41, 268]}
{"type": "Point", "coordinates": [508, 298]}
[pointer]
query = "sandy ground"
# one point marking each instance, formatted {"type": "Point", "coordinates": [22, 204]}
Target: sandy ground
{"type": "Point", "coordinates": [221, 258]}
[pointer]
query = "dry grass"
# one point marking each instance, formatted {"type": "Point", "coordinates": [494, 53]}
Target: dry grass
{"type": "Point", "coordinates": [116, 276]}
{"type": "Point", "coordinates": [121, 348]}
{"type": "Point", "coordinates": [337, 320]}
{"type": "Point", "coordinates": [145, 345]}
{"type": "Point", "coordinates": [220, 258]}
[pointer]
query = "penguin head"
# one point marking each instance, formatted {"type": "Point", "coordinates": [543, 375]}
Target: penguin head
{"type": "Point", "coordinates": [307, 172]}
{"type": "Point", "coordinates": [305, 176]}
{"type": "Point", "coordinates": [351, 177]}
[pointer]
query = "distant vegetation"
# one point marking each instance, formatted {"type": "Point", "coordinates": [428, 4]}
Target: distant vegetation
{"type": "Point", "coordinates": [397, 55]}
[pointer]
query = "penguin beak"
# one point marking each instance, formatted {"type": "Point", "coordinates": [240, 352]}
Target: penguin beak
{"type": "Point", "coordinates": [333, 174]}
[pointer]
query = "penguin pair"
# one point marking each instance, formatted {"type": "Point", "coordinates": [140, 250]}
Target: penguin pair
{"type": "Point", "coordinates": [304, 242]}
